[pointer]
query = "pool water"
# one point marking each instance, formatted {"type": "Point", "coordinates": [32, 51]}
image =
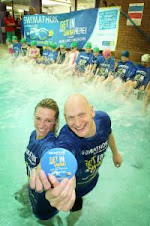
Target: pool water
{"type": "Point", "coordinates": [122, 195]}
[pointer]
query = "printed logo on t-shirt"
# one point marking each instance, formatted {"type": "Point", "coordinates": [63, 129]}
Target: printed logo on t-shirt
{"type": "Point", "coordinates": [93, 157]}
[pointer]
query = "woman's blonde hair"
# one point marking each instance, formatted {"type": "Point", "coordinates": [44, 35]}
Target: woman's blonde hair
{"type": "Point", "coordinates": [50, 104]}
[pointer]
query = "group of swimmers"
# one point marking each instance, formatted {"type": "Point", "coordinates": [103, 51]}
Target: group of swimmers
{"type": "Point", "coordinates": [93, 66]}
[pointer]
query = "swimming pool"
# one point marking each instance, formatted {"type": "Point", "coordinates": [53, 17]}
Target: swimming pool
{"type": "Point", "coordinates": [122, 195]}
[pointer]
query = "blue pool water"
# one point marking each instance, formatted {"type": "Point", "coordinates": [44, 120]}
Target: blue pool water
{"type": "Point", "coordinates": [122, 195]}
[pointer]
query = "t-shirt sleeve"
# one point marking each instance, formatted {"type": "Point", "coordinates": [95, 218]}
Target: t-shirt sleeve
{"type": "Point", "coordinates": [112, 65]}
{"type": "Point", "coordinates": [107, 123]}
{"type": "Point", "coordinates": [103, 122]}
{"type": "Point", "coordinates": [132, 70]}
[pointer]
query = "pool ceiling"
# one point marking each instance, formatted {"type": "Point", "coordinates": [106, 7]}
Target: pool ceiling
{"type": "Point", "coordinates": [85, 4]}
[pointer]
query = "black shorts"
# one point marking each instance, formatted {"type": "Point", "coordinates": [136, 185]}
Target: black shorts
{"type": "Point", "coordinates": [40, 205]}
{"type": "Point", "coordinates": [77, 205]}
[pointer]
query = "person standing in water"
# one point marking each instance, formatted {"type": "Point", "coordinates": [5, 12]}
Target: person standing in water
{"type": "Point", "coordinates": [46, 116]}
{"type": "Point", "coordinates": [87, 135]}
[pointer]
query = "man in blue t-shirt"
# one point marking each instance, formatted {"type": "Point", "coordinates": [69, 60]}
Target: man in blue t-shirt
{"type": "Point", "coordinates": [87, 135]}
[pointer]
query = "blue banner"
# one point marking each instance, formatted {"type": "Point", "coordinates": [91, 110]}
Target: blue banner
{"type": "Point", "coordinates": [78, 26]}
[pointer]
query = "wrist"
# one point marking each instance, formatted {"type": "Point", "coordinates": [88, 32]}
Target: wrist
{"type": "Point", "coordinates": [115, 152]}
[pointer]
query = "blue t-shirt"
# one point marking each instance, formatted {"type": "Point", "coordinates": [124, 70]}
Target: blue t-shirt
{"type": "Point", "coordinates": [16, 49]}
{"type": "Point", "coordinates": [52, 57]}
{"type": "Point", "coordinates": [83, 60]}
{"type": "Point", "coordinates": [89, 152]}
{"type": "Point", "coordinates": [94, 59]}
{"type": "Point", "coordinates": [47, 57]}
{"type": "Point", "coordinates": [105, 65]}
{"type": "Point", "coordinates": [36, 149]}
{"type": "Point", "coordinates": [140, 75]}
{"type": "Point", "coordinates": [125, 70]}
{"type": "Point", "coordinates": [45, 53]}
{"type": "Point", "coordinates": [33, 154]}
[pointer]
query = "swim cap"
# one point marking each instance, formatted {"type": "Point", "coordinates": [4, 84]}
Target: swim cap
{"type": "Point", "coordinates": [14, 37]}
{"type": "Point", "coordinates": [88, 45]}
{"type": "Point", "coordinates": [62, 45]}
{"type": "Point", "coordinates": [53, 45]}
{"type": "Point", "coordinates": [23, 40]}
{"type": "Point", "coordinates": [106, 53]}
{"type": "Point", "coordinates": [50, 44]}
{"type": "Point", "coordinates": [59, 162]}
{"type": "Point", "coordinates": [8, 39]}
{"type": "Point", "coordinates": [145, 58]}
{"type": "Point", "coordinates": [96, 50]}
{"type": "Point", "coordinates": [74, 45]}
{"type": "Point", "coordinates": [33, 43]}
{"type": "Point", "coordinates": [125, 53]}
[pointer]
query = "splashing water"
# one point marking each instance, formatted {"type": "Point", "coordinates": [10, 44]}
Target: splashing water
{"type": "Point", "coordinates": [121, 196]}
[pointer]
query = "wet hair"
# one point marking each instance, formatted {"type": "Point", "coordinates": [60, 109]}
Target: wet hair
{"type": "Point", "coordinates": [50, 104]}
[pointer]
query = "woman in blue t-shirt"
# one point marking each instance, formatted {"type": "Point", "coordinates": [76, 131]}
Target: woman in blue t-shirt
{"type": "Point", "coordinates": [46, 117]}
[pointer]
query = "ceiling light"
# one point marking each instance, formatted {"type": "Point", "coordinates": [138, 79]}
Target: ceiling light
{"type": "Point", "coordinates": [8, 7]}
{"type": "Point", "coordinates": [52, 3]}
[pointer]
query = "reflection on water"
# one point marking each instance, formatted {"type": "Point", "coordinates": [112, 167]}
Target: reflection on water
{"type": "Point", "coordinates": [121, 196]}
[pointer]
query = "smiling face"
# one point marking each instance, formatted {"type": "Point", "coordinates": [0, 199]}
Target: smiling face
{"type": "Point", "coordinates": [79, 116]}
{"type": "Point", "coordinates": [44, 121]}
